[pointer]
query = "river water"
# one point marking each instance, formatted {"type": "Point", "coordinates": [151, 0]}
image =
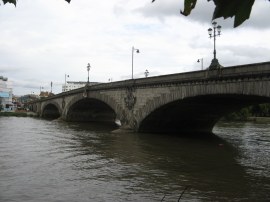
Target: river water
{"type": "Point", "coordinates": [54, 161]}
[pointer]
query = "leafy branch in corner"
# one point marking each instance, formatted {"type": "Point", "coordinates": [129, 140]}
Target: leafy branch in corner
{"type": "Point", "coordinates": [239, 9]}
{"type": "Point", "coordinates": [15, 1]}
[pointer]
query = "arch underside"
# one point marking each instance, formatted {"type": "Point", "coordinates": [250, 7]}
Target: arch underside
{"type": "Point", "coordinates": [90, 110]}
{"type": "Point", "coordinates": [196, 114]}
{"type": "Point", "coordinates": [50, 111]}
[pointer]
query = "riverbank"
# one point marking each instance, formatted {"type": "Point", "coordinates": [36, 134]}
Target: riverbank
{"type": "Point", "coordinates": [32, 114]}
{"type": "Point", "coordinates": [259, 119]}
{"type": "Point", "coordinates": [19, 114]}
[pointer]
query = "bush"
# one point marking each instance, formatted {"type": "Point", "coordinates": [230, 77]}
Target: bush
{"type": "Point", "coordinates": [17, 114]}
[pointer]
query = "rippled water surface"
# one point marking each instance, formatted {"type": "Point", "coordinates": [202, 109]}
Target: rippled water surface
{"type": "Point", "coordinates": [54, 161]}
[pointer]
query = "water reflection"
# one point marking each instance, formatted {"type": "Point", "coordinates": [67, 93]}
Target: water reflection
{"type": "Point", "coordinates": [58, 161]}
{"type": "Point", "coordinates": [168, 164]}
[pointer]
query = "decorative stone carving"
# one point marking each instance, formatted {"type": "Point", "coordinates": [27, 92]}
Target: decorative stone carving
{"type": "Point", "coordinates": [63, 103]}
{"type": "Point", "coordinates": [130, 99]}
{"type": "Point", "coordinates": [85, 94]}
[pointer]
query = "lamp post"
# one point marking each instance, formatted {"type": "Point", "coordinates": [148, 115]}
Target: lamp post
{"type": "Point", "coordinates": [137, 51]}
{"type": "Point", "coordinates": [212, 34]}
{"type": "Point", "coordinates": [51, 86]}
{"type": "Point", "coordinates": [146, 73]}
{"type": "Point", "coordinates": [40, 88]}
{"type": "Point", "coordinates": [200, 61]}
{"type": "Point", "coordinates": [65, 89]}
{"type": "Point", "coordinates": [88, 69]}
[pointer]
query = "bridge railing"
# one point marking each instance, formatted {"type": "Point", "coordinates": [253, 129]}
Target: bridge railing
{"type": "Point", "coordinates": [233, 72]}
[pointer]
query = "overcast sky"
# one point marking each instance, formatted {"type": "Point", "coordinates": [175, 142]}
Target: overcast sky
{"type": "Point", "coordinates": [42, 40]}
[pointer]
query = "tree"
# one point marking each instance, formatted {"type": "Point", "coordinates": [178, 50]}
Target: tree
{"type": "Point", "coordinates": [15, 1]}
{"type": "Point", "coordinates": [1, 106]}
{"type": "Point", "coordinates": [239, 9]}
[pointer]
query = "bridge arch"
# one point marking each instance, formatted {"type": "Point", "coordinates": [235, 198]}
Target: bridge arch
{"type": "Point", "coordinates": [51, 110]}
{"type": "Point", "coordinates": [90, 110]}
{"type": "Point", "coordinates": [195, 109]}
{"type": "Point", "coordinates": [195, 114]}
{"type": "Point", "coordinates": [93, 107]}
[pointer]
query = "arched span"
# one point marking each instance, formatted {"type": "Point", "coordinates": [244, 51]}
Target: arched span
{"type": "Point", "coordinates": [106, 99]}
{"type": "Point", "coordinates": [90, 110]}
{"type": "Point", "coordinates": [195, 114]}
{"type": "Point", "coordinates": [50, 111]}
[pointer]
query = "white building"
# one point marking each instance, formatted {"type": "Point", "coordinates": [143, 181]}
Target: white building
{"type": "Point", "coordinates": [6, 94]}
{"type": "Point", "coordinates": [71, 85]}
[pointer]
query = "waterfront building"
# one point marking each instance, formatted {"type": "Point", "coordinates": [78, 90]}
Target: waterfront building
{"type": "Point", "coordinates": [6, 94]}
{"type": "Point", "coordinates": [71, 85]}
{"type": "Point", "coordinates": [27, 98]}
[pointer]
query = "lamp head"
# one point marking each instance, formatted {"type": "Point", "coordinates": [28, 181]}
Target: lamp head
{"type": "Point", "coordinates": [88, 66]}
{"type": "Point", "coordinates": [210, 31]}
{"type": "Point", "coordinates": [219, 29]}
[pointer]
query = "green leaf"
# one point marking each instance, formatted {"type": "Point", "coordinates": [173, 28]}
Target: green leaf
{"type": "Point", "coordinates": [10, 1]}
{"type": "Point", "coordinates": [188, 6]}
{"type": "Point", "coordinates": [243, 12]}
{"type": "Point", "coordinates": [239, 9]}
{"type": "Point", "coordinates": [15, 1]}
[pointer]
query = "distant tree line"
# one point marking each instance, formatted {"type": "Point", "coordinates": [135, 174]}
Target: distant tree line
{"type": "Point", "coordinates": [260, 110]}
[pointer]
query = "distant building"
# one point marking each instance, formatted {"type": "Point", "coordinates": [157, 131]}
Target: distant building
{"type": "Point", "coordinates": [6, 94]}
{"type": "Point", "coordinates": [27, 98]}
{"type": "Point", "coordinates": [71, 85]}
{"type": "Point", "coordinates": [44, 94]}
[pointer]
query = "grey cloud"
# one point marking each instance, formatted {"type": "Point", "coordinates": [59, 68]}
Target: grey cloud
{"type": "Point", "coordinates": [241, 54]}
{"type": "Point", "coordinates": [204, 11]}
{"type": "Point", "coordinates": [160, 9]}
{"type": "Point", "coordinates": [249, 52]}
{"type": "Point", "coordinates": [9, 69]}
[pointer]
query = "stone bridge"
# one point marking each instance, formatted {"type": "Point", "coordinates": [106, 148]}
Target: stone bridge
{"type": "Point", "coordinates": [185, 102]}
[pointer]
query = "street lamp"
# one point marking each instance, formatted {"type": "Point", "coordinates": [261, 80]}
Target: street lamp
{"type": "Point", "coordinates": [214, 64]}
{"type": "Point", "coordinates": [146, 73]}
{"type": "Point", "coordinates": [40, 88]}
{"type": "Point", "coordinates": [137, 51]}
{"type": "Point", "coordinates": [66, 82]}
{"type": "Point", "coordinates": [200, 61]}
{"type": "Point", "coordinates": [51, 86]}
{"type": "Point", "coordinates": [88, 69]}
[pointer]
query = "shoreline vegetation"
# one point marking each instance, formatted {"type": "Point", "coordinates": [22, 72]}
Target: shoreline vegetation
{"type": "Point", "coordinates": [256, 113]}
{"type": "Point", "coordinates": [259, 119]}
{"type": "Point", "coordinates": [230, 118]}
{"type": "Point", "coordinates": [18, 114]}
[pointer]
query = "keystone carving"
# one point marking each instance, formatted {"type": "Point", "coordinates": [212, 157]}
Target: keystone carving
{"type": "Point", "coordinates": [130, 99]}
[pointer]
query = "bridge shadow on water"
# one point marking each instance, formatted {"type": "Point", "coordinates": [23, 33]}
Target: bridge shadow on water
{"type": "Point", "coordinates": [204, 165]}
